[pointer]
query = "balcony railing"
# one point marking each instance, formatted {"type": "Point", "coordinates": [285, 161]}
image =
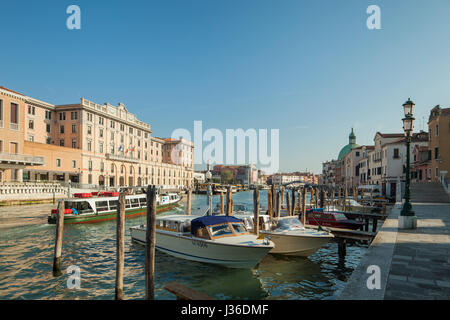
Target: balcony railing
{"type": "Point", "coordinates": [14, 126]}
{"type": "Point", "coordinates": [21, 159]}
{"type": "Point", "coordinates": [110, 156]}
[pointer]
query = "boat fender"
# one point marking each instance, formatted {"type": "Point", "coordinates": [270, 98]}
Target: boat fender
{"type": "Point", "coordinates": [74, 211]}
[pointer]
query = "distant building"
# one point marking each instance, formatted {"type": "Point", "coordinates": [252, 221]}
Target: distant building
{"type": "Point", "coordinates": [243, 174]}
{"type": "Point", "coordinates": [421, 168]}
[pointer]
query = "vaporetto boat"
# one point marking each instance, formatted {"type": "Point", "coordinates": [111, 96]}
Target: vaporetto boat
{"type": "Point", "coordinates": [220, 240]}
{"type": "Point", "coordinates": [88, 208]}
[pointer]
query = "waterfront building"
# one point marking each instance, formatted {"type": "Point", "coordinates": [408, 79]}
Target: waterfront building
{"type": "Point", "coordinates": [421, 168]}
{"type": "Point", "coordinates": [329, 173]}
{"type": "Point", "coordinates": [243, 174]}
{"type": "Point", "coordinates": [199, 177]}
{"type": "Point", "coordinates": [93, 145]}
{"type": "Point", "coordinates": [439, 143]}
{"type": "Point", "coordinates": [393, 161]}
{"type": "Point", "coordinates": [13, 123]}
{"type": "Point", "coordinates": [364, 170]}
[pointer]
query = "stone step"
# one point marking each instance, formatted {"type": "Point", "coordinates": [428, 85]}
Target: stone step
{"type": "Point", "coordinates": [429, 192]}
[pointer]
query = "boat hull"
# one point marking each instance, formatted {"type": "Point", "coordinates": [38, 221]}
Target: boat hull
{"type": "Point", "coordinates": [296, 245]}
{"type": "Point", "coordinates": [94, 218]}
{"type": "Point", "coordinates": [206, 251]}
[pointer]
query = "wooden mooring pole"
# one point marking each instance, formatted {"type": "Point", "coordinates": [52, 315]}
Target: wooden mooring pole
{"type": "Point", "coordinates": [222, 203]}
{"type": "Point", "coordinates": [120, 245]}
{"type": "Point", "coordinates": [274, 200]}
{"type": "Point", "coordinates": [293, 203]}
{"type": "Point", "coordinates": [189, 202]}
{"type": "Point", "coordinates": [269, 203]}
{"type": "Point", "coordinates": [288, 203]}
{"type": "Point", "coordinates": [342, 248]}
{"type": "Point", "coordinates": [256, 211]}
{"type": "Point", "coordinates": [229, 206]}
{"type": "Point", "coordinates": [150, 242]}
{"type": "Point", "coordinates": [277, 213]}
{"type": "Point", "coordinates": [304, 206]}
{"type": "Point", "coordinates": [58, 240]}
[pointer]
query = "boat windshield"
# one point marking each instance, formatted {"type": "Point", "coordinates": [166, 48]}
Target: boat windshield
{"type": "Point", "coordinates": [79, 206]}
{"type": "Point", "coordinates": [220, 230]}
{"type": "Point", "coordinates": [290, 223]}
{"type": "Point", "coordinates": [340, 216]}
{"type": "Point", "coordinates": [239, 207]}
{"type": "Point", "coordinates": [239, 228]}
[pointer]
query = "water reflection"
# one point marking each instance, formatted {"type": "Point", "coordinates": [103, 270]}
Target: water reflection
{"type": "Point", "coordinates": [26, 255]}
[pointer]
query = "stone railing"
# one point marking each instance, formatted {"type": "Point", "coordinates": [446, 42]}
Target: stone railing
{"type": "Point", "coordinates": [30, 189]}
{"type": "Point", "coordinates": [21, 158]}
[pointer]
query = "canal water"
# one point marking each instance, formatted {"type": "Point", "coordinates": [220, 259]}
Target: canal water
{"type": "Point", "coordinates": [26, 256]}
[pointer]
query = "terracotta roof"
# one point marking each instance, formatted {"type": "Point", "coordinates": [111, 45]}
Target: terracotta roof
{"type": "Point", "coordinates": [391, 135]}
{"type": "Point", "coordinates": [445, 112]}
{"type": "Point", "coordinates": [11, 91]}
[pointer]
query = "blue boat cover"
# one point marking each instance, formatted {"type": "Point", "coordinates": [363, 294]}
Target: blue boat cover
{"type": "Point", "coordinates": [204, 221]}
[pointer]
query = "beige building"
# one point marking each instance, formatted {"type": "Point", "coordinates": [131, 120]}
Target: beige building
{"type": "Point", "coordinates": [13, 157]}
{"type": "Point", "coordinates": [439, 143]}
{"type": "Point", "coordinates": [92, 145]}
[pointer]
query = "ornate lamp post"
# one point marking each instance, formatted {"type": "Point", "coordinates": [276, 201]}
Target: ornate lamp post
{"type": "Point", "coordinates": [407, 219]}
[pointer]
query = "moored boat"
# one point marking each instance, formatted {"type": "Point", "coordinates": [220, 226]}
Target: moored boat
{"type": "Point", "coordinates": [332, 219]}
{"type": "Point", "coordinates": [89, 208]}
{"type": "Point", "coordinates": [288, 234]}
{"type": "Point", "coordinates": [220, 240]}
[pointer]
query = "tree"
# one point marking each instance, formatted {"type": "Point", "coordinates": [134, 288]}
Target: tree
{"type": "Point", "coordinates": [227, 176]}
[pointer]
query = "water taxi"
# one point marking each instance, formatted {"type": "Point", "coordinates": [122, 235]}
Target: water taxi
{"type": "Point", "coordinates": [220, 240]}
{"type": "Point", "coordinates": [291, 238]}
{"type": "Point", "coordinates": [98, 207]}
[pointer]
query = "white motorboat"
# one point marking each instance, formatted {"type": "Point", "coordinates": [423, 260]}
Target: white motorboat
{"type": "Point", "coordinates": [220, 240]}
{"type": "Point", "coordinates": [289, 235]}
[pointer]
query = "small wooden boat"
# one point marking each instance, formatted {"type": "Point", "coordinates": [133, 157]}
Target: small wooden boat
{"type": "Point", "coordinates": [89, 208]}
{"type": "Point", "coordinates": [220, 240]}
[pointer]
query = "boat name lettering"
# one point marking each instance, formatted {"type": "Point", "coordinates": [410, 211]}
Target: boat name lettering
{"type": "Point", "coordinates": [199, 243]}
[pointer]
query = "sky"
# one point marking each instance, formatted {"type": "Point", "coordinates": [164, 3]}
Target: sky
{"type": "Point", "coordinates": [311, 69]}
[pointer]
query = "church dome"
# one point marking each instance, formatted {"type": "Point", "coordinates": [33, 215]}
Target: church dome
{"type": "Point", "coordinates": [351, 145]}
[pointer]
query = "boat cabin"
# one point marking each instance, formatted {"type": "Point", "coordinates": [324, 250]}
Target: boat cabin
{"type": "Point", "coordinates": [100, 204]}
{"type": "Point", "coordinates": [214, 227]}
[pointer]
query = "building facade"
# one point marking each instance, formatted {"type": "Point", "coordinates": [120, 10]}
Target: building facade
{"type": "Point", "coordinates": [439, 143]}
{"type": "Point", "coordinates": [95, 146]}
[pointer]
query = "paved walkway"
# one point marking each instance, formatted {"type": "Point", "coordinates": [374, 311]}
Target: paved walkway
{"type": "Point", "coordinates": [414, 264]}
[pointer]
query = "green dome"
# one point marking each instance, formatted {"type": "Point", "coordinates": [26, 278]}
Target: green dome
{"type": "Point", "coordinates": [345, 150]}
{"type": "Point", "coordinates": [351, 145]}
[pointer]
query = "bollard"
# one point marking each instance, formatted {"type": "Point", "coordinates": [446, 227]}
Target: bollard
{"type": "Point", "coordinates": [120, 253]}
{"type": "Point", "coordinates": [150, 242]}
{"type": "Point", "coordinates": [58, 240]}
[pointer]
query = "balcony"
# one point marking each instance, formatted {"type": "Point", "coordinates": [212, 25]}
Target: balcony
{"type": "Point", "coordinates": [21, 159]}
{"type": "Point", "coordinates": [110, 156]}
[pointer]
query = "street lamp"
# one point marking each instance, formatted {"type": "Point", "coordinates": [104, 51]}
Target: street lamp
{"type": "Point", "coordinates": [407, 219]}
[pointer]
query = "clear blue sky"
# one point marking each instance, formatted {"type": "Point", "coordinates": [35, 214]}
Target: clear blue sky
{"type": "Point", "coordinates": [309, 68]}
